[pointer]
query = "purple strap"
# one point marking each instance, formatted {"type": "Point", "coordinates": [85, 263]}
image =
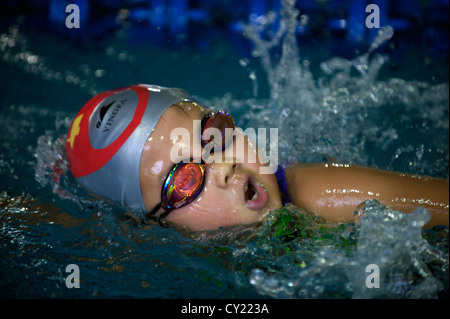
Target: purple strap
{"type": "Point", "coordinates": [282, 185]}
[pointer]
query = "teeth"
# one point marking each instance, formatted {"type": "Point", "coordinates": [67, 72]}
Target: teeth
{"type": "Point", "coordinates": [255, 195]}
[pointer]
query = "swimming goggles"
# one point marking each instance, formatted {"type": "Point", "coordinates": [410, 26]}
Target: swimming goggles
{"type": "Point", "coordinates": [186, 179]}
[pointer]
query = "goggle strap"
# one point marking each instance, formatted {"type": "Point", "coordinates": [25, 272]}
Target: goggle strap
{"type": "Point", "coordinates": [158, 219]}
{"type": "Point", "coordinates": [162, 216]}
{"type": "Point", "coordinates": [151, 214]}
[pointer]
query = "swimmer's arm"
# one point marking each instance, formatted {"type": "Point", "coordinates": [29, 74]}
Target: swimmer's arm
{"type": "Point", "coordinates": [333, 191]}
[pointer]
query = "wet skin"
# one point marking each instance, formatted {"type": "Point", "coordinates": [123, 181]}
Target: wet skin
{"type": "Point", "coordinates": [236, 193]}
{"type": "Point", "coordinates": [225, 199]}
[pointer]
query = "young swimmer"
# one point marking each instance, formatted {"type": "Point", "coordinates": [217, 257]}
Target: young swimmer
{"type": "Point", "coordinates": [121, 144]}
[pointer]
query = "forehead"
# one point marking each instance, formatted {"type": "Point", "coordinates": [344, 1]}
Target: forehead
{"type": "Point", "coordinates": [178, 115]}
{"type": "Point", "coordinates": [155, 158]}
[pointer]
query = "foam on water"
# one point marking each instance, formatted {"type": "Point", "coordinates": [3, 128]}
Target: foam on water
{"type": "Point", "coordinates": [332, 261]}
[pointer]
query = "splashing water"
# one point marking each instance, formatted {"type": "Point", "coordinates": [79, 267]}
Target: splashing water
{"type": "Point", "coordinates": [341, 115]}
{"type": "Point", "coordinates": [331, 261]}
{"type": "Point", "coordinates": [349, 118]}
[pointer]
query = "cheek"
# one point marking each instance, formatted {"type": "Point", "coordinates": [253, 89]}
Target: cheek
{"type": "Point", "coordinates": [270, 182]}
{"type": "Point", "coordinates": [210, 211]}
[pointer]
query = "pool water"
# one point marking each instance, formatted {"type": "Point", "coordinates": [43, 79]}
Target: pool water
{"type": "Point", "coordinates": [351, 110]}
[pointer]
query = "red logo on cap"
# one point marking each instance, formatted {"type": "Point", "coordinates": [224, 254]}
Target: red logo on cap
{"type": "Point", "coordinates": [83, 158]}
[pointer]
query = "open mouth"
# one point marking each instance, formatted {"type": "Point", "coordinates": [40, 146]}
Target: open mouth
{"type": "Point", "coordinates": [255, 194]}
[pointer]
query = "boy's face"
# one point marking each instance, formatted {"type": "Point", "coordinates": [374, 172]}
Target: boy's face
{"type": "Point", "coordinates": [224, 200]}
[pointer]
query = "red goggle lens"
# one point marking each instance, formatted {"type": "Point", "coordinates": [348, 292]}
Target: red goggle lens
{"type": "Point", "coordinates": [183, 184]}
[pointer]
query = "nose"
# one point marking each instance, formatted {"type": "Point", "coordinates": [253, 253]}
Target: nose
{"type": "Point", "coordinates": [221, 173]}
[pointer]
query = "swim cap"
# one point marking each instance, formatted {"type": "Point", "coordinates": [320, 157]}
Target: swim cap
{"type": "Point", "coordinates": [106, 138]}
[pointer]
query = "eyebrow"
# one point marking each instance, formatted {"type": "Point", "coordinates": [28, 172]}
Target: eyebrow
{"type": "Point", "coordinates": [163, 118]}
{"type": "Point", "coordinates": [181, 108]}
